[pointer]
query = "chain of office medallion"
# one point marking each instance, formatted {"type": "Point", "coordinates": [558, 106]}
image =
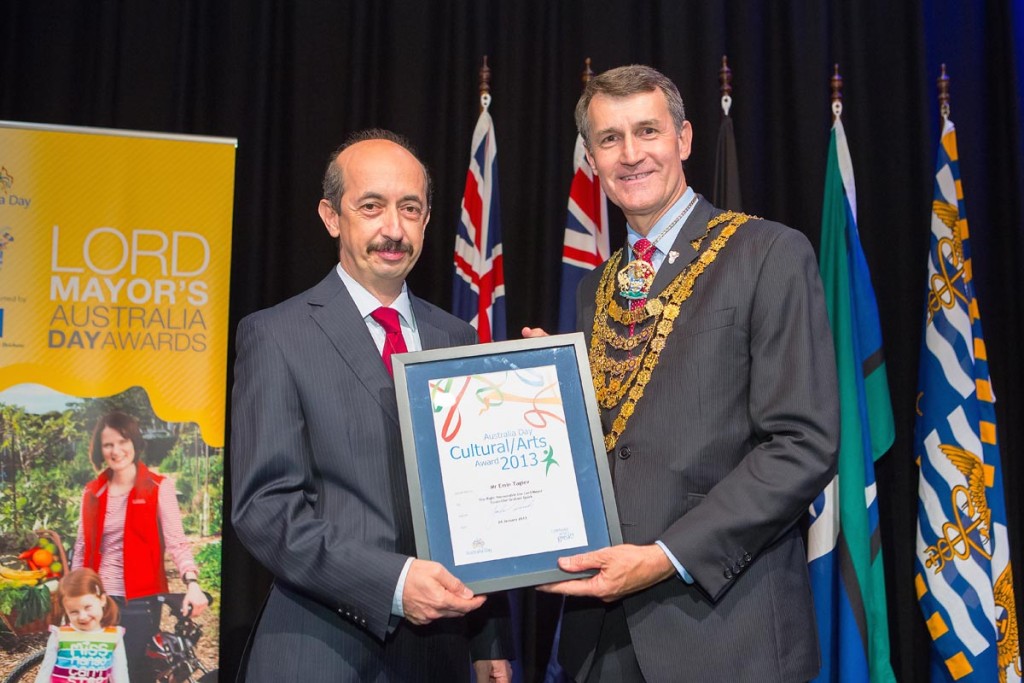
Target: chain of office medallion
{"type": "Point", "coordinates": [658, 315]}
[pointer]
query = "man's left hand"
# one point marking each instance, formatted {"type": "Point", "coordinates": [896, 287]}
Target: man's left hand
{"type": "Point", "coordinates": [621, 571]}
{"type": "Point", "coordinates": [493, 670]}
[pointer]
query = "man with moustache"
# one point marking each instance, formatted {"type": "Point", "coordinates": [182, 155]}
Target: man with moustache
{"type": "Point", "coordinates": [319, 489]}
{"type": "Point", "coordinates": [713, 364]}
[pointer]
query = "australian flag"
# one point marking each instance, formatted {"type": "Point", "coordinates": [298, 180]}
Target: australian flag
{"type": "Point", "coordinates": [586, 234]}
{"type": "Point", "coordinates": [478, 288]}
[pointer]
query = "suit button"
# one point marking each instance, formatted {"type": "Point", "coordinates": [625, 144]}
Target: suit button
{"type": "Point", "coordinates": [624, 453]}
{"type": "Point", "coordinates": [728, 574]}
{"type": "Point", "coordinates": [746, 557]}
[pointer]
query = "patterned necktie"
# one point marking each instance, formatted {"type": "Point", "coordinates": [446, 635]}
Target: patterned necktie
{"type": "Point", "coordinates": [644, 251]}
{"type": "Point", "coordinates": [394, 342]}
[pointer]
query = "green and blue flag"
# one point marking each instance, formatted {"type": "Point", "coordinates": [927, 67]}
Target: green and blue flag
{"type": "Point", "coordinates": [844, 547]}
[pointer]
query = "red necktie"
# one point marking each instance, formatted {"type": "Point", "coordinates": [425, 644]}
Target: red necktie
{"type": "Point", "coordinates": [394, 342]}
{"type": "Point", "coordinates": [644, 251]}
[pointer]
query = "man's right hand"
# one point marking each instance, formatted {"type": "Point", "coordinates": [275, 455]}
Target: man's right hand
{"type": "Point", "coordinates": [530, 332]}
{"type": "Point", "coordinates": [431, 592]}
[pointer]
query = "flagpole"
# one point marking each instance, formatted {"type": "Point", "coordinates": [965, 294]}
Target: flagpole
{"type": "Point", "coordinates": [588, 194]}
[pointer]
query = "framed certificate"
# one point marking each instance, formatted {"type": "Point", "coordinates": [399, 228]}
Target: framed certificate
{"type": "Point", "coordinates": [505, 459]}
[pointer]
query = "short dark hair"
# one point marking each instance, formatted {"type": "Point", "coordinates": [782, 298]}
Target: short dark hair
{"type": "Point", "coordinates": [334, 184]}
{"type": "Point", "coordinates": [124, 424]}
{"type": "Point", "coordinates": [623, 82]}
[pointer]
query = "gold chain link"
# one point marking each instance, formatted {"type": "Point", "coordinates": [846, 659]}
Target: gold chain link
{"type": "Point", "coordinates": [613, 379]}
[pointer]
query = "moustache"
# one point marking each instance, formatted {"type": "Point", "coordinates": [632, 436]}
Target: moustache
{"type": "Point", "coordinates": [390, 245]}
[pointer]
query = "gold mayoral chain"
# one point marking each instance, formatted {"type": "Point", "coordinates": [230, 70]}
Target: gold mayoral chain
{"type": "Point", "coordinates": [636, 278]}
{"type": "Point", "coordinates": [613, 378]}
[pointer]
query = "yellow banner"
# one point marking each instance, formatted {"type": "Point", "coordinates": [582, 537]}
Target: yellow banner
{"type": "Point", "coordinates": [115, 255]}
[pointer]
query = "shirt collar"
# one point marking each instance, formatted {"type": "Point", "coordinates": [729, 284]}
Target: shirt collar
{"type": "Point", "coordinates": [669, 238]}
{"type": "Point", "coordinates": [367, 303]}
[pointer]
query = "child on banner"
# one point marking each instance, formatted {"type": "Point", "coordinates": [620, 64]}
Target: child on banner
{"type": "Point", "coordinates": [90, 646]}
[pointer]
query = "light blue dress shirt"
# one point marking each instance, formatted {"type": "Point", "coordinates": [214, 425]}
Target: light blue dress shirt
{"type": "Point", "coordinates": [663, 242]}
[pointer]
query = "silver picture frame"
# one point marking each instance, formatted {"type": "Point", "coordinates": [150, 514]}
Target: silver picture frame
{"type": "Point", "coordinates": [565, 413]}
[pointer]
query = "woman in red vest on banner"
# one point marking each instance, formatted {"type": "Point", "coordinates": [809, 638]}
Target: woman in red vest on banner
{"type": "Point", "coordinates": [130, 517]}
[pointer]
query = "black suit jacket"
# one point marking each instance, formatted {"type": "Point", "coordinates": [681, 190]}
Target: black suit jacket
{"type": "Point", "coordinates": [735, 435]}
{"type": "Point", "coordinates": [320, 498]}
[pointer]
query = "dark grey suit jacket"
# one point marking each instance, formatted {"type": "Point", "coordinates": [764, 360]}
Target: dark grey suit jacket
{"type": "Point", "coordinates": [736, 434]}
{"type": "Point", "coordinates": [320, 498]}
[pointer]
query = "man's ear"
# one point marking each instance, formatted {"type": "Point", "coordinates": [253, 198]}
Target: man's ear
{"type": "Point", "coordinates": [685, 140]}
{"type": "Point", "coordinates": [329, 216]}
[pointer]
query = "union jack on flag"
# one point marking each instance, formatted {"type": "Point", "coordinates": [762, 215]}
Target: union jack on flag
{"type": "Point", "coordinates": [586, 234]}
{"type": "Point", "coordinates": [962, 567]}
{"type": "Point", "coordinates": [478, 288]}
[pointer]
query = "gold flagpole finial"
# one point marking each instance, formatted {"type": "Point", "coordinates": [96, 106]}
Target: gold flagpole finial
{"type": "Point", "coordinates": [587, 73]}
{"type": "Point", "coordinates": [725, 85]}
{"type": "Point", "coordinates": [836, 82]}
{"type": "Point", "coordinates": [943, 84]}
{"type": "Point", "coordinates": [485, 86]}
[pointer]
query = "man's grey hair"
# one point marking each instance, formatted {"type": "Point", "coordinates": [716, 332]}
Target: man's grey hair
{"type": "Point", "coordinates": [334, 184]}
{"type": "Point", "coordinates": [625, 81]}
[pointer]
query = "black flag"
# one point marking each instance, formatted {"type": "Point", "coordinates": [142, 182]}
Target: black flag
{"type": "Point", "coordinates": [725, 193]}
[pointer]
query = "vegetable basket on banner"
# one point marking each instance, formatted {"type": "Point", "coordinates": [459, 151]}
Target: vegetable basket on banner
{"type": "Point", "coordinates": [28, 589]}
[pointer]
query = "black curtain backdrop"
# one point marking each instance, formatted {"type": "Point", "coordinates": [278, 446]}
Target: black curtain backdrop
{"type": "Point", "coordinates": [291, 79]}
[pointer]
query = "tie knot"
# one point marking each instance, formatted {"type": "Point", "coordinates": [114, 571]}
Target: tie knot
{"type": "Point", "coordinates": [388, 319]}
{"type": "Point", "coordinates": [643, 249]}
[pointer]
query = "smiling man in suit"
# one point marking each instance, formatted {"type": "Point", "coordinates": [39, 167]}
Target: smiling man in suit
{"type": "Point", "coordinates": [319, 489]}
{"type": "Point", "coordinates": [713, 366]}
